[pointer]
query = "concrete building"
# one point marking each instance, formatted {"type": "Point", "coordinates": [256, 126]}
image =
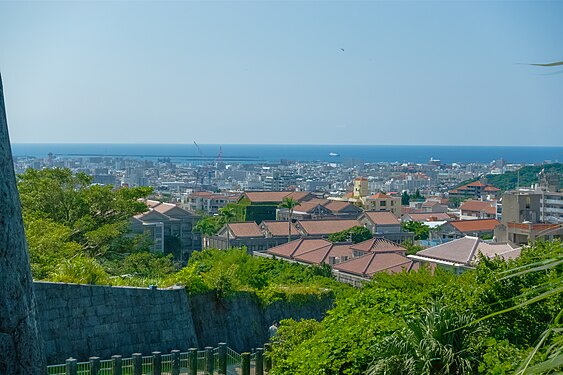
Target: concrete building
{"type": "Point", "coordinates": [169, 227]}
{"type": "Point", "coordinates": [384, 202]}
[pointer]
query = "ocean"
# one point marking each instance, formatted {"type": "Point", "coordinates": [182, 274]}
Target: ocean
{"type": "Point", "coordinates": [275, 153]}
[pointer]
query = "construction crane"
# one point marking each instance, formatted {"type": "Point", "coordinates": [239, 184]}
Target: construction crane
{"type": "Point", "coordinates": [199, 149]}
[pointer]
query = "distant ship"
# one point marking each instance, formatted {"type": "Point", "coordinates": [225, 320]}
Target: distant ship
{"type": "Point", "coordinates": [333, 154]}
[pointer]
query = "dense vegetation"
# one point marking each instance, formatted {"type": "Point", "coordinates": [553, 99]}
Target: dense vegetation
{"type": "Point", "coordinates": [423, 323]}
{"type": "Point", "coordinates": [525, 176]}
{"type": "Point", "coordinates": [356, 234]}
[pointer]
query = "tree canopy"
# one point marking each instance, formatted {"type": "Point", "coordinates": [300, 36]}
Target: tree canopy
{"type": "Point", "coordinates": [357, 234]}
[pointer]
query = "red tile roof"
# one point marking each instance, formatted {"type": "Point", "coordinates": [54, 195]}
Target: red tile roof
{"type": "Point", "coordinates": [312, 251]}
{"type": "Point", "coordinates": [368, 265]}
{"type": "Point", "coordinates": [478, 206]}
{"type": "Point", "coordinates": [379, 196]}
{"type": "Point", "coordinates": [468, 226]}
{"type": "Point", "coordinates": [465, 250]}
{"type": "Point", "coordinates": [338, 206]}
{"type": "Point", "coordinates": [477, 183]}
{"type": "Point", "coordinates": [325, 227]}
{"type": "Point", "coordinates": [378, 245]}
{"type": "Point", "coordinates": [280, 228]}
{"type": "Point", "coordinates": [246, 229]}
{"type": "Point", "coordinates": [275, 196]}
{"type": "Point", "coordinates": [429, 216]}
{"type": "Point", "coordinates": [382, 217]}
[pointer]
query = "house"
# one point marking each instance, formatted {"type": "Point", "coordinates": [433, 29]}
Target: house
{"type": "Point", "coordinates": [426, 217]}
{"type": "Point", "coordinates": [351, 263]}
{"type": "Point", "coordinates": [472, 209]}
{"type": "Point", "coordinates": [315, 209]}
{"type": "Point", "coordinates": [262, 205]}
{"type": "Point", "coordinates": [384, 224]}
{"type": "Point", "coordinates": [461, 228]}
{"type": "Point", "coordinates": [312, 251]}
{"type": "Point", "coordinates": [433, 206]}
{"type": "Point", "coordinates": [324, 228]}
{"type": "Point", "coordinates": [463, 253]}
{"type": "Point", "coordinates": [246, 234]}
{"type": "Point", "coordinates": [169, 228]}
{"type": "Point", "coordinates": [383, 202]}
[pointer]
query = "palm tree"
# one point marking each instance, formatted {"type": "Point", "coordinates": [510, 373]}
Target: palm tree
{"type": "Point", "coordinates": [289, 203]}
{"type": "Point", "coordinates": [434, 343]}
{"type": "Point", "coordinates": [22, 346]}
{"type": "Point", "coordinates": [207, 226]}
{"type": "Point", "coordinates": [227, 214]}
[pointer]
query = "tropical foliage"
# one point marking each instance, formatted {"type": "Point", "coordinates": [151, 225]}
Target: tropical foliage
{"type": "Point", "coordinates": [421, 231]}
{"type": "Point", "coordinates": [357, 234]}
{"type": "Point", "coordinates": [501, 318]}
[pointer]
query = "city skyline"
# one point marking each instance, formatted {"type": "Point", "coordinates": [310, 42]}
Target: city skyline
{"type": "Point", "coordinates": [408, 73]}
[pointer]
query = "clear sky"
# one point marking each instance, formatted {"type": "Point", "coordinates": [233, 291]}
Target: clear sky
{"type": "Point", "coordinates": [283, 72]}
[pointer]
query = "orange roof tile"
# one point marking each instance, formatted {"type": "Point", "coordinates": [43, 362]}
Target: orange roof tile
{"type": "Point", "coordinates": [382, 217]}
{"type": "Point", "coordinates": [378, 245]}
{"type": "Point", "coordinates": [280, 228]}
{"type": "Point", "coordinates": [275, 196]}
{"type": "Point", "coordinates": [325, 227]}
{"type": "Point", "coordinates": [479, 206]}
{"type": "Point", "coordinates": [368, 265]}
{"type": "Point", "coordinates": [379, 196]}
{"type": "Point", "coordinates": [246, 229]}
{"type": "Point", "coordinates": [480, 225]}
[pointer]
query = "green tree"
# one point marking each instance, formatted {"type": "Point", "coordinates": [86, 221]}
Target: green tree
{"type": "Point", "coordinates": [226, 215]}
{"type": "Point", "coordinates": [357, 234]}
{"type": "Point", "coordinates": [208, 226]}
{"type": "Point", "coordinates": [405, 198]}
{"type": "Point", "coordinates": [421, 231]}
{"type": "Point", "coordinates": [97, 216]}
{"type": "Point", "coordinates": [435, 343]}
{"type": "Point", "coordinates": [289, 204]}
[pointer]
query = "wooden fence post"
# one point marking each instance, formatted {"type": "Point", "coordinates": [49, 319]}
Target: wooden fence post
{"type": "Point", "coordinates": [245, 363]}
{"type": "Point", "coordinates": [156, 363]}
{"type": "Point", "coordinates": [116, 364]}
{"type": "Point", "coordinates": [222, 358]}
{"type": "Point", "coordinates": [175, 362]}
{"type": "Point", "coordinates": [192, 361]}
{"type": "Point", "coordinates": [94, 365]}
{"type": "Point", "coordinates": [209, 360]}
{"type": "Point", "coordinates": [137, 364]}
{"type": "Point", "coordinates": [71, 366]}
{"type": "Point", "coordinates": [259, 369]}
{"type": "Point", "coordinates": [267, 360]}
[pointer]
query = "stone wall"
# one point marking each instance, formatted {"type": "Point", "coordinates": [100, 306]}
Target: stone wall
{"type": "Point", "coordinates": [88, 320]}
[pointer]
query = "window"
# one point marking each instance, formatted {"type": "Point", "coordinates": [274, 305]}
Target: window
{"type": "Point", "coordinates": [383, 203]}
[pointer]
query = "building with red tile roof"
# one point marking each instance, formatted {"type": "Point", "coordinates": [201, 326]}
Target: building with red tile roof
{"type": "Point", "coordinates": [463, 253]}
{"type": "Point", "coordinates": [461, 228]}
{"type": "Point", "coordinates": [472, 209]}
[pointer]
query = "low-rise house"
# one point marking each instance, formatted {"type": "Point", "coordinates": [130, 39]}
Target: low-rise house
{"type": "Point", "coordinates": [324, 228]}
{"type": "Point", "coordinates": [463, 253]}
{"type": "Point", "coordinates": [384, 224]}
{"type": "Point", "coordinates": [472, 209]}
{"type": "Point", "coordinates": [316, 209]}
{"type": "Point", "coordinates": [351, 263]}
{"type": "Point", "coordinates": [247, 234]}
{"type": "Point", "coordinates": [170, 229]}
{"type": "Point", "coordinates": [426, 217]}
{"type": "Point", "coordinates": [458, 229]}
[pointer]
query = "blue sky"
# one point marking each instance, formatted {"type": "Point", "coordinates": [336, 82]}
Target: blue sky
{"type": "Point", "coordinates": [275, 72]}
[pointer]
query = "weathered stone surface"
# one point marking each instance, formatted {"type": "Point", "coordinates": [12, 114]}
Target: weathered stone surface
{"type": "Point", "coordinates": [21, 347]}
{"type": "Point", "coordinates": [140, 320]}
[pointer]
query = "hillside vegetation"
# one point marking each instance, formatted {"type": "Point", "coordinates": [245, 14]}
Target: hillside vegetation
{"type": "Point", "coordinates": [424, 323]}
{"type": "Point", "coordinates": [528, 176]}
